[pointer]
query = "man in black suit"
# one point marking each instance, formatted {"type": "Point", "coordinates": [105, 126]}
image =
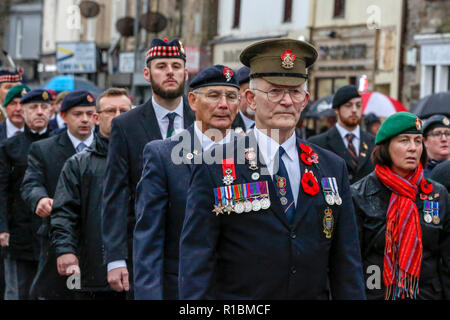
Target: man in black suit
{"type": "Point", "coordinates": [18, 225]}
{"type": "Point", "coordinates": [161, 193]}
{"type": "Point", "coordinates": [160, 118]}
{"type": "Point", "coordinates": [45, 162]}
{"type": "Point", "coordinates": [346, 138]}
{"type": "Point", "coordinates": [245, 119]}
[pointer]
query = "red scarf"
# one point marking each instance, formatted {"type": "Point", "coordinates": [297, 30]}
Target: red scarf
{"type": "Point", "coordinates": [403, 252]}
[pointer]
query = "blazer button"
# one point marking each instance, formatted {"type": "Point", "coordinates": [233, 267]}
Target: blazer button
{"type": "Point", "coordinates": [293, 236]}
{"type": "Point", "coordinates": [293, 270]}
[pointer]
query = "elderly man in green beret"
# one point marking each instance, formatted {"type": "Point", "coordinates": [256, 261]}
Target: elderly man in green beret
{"type": "Point", "coordinates": [15, 122]}
{"type": "Point", "coordinates": [273, 218]}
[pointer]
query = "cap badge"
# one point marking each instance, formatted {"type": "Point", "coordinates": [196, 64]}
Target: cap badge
{"type": "Point", "coordinates": [288, 59]}
{"type": "Point", "coordinates": [446, 122]}
{"type": "Point", "coordinates": [45, 95]}
{"type": "Point", "coordinates": [228, 73]}
{"type": "Point", "coordinates": [90, 98]}
{"type": "Point", "coordinates": [181, 48]}
{"type": "Point", "coordinates": [24, 92]}
{"type": "Point", "coordinates": [418, 124]}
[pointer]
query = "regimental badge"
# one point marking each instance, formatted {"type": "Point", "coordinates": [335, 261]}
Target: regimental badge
{"type": "Point", "coordinates": [90, 98]}
{"type": "Point", "coordinates": [365, 146]}
{"type": "Point", "coordinates": [288, 59]}
{"type": "Point", "coordinates": [24, 92]}
{"type": "Point", "coordinates": [228, 73]}
{"type": "Point", "coordinates": [45, 95]}
{"type": "Point", "coordinates": [181, 48]}
{"type": "Point", "coordinates": [328, 223]}
{"type": "Point", "coordinates": [445, 121]}
{"type": "Point", "coordinates": [418, 124]}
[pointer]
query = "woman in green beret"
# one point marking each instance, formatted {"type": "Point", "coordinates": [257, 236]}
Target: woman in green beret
{"type": "Point", "coordinates": [403, 219]}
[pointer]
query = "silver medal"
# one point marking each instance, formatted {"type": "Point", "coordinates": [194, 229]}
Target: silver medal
{"type": "Point", "coordinates": [265, 203]}
{"type": "Point", "coordinates": [256, 176]}
{"type": "Point", "coordinates": [428, 218]}
{"type": "Point", "coordinates": [256, 205]}
{"type": "Point", "coordinates": [228, 180]}
{"type": "Point", "coordinates": [329, 199]}
{"type": "Point", "coordinates": [284, 201]}
{"type": "Point", "coordinates": [239, 208]}
{"type": "Point", "coordinates": [338, 200]}
{"type": "Point", "coordinates": [248, 206]}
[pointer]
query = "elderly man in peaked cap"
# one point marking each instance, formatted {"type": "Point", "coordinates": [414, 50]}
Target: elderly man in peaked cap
{"type": "Point", "coordinates": [273, 219]}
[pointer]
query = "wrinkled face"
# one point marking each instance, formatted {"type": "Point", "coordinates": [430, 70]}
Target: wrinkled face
{"type": "Point", "coordinates": [215, 106]}
{"type": "Point", "coordinates": [37, 115]}
{"type": "Point", "coordinates": [4, 88]}
{"type": "Point", "coordinates": [272, 114]}
{"type": "Point", "coordinates": [437, 143]}
{"type": "Point", "coordinates": [405, 151]}
{"type": "Point", "coordinates": [167, 77]}
{"type": "Point", "coordinates": [14, 112]}
{"type": "Point", "coordinates": [244, 107]}
{"type": "Point", "coordinates": [111, 107]}
{"type": "Point", "coordinates": [80, 121]}
{"type": "Point", "coordinates": [350, 113]}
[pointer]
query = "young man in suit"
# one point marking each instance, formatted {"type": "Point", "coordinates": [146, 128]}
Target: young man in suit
{"type": "Point", "coordinates": [161, 117]}
{"type": "Point", "coordinates": [45, 161]}
{"type": "Point", "coordinates": [346, 138]}
{"type": "Point", "coordinates": [257, 225]}
{"type": "Point", "coordinates": [161, 193]}
{"type": "Point", "coordinates": [18, 225]}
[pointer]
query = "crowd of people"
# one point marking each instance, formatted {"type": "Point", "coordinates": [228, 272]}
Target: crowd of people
{"type": "Point", "coordinates": [216, 194]}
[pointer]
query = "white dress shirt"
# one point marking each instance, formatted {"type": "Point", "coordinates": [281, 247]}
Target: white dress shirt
{"type": "Point", "coordinates": [269, 148]}
{"type": "Point", "coordinates": [163, 120]}
{"type": "Point", "coordinates": [60, 121]}
{"type": "Point", "coordinates": [76, 141]}
{"type": "Point", "coordinates": [356, 140]}
{"type": "Point", "coordinates": [247, 121]}
{"type": "Point", "coordinates": [206, 141]}
{"type": "Point", "coordinates": [11, 129]}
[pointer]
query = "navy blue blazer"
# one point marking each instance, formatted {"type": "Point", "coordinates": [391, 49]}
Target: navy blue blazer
{"type": "Point", "coordinates": [261, 256]}
{"type": "Point", "coordinates": [130, 133]}
{"type": "Point", "coordinates": [160, 204]}
{"type": "Point", "coordinates": [3, 133]}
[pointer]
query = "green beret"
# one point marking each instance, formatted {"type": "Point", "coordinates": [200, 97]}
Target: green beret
{"type": "Point", "coordinates": [402, 122]}
{"type": "Point", "coordinates": [16, 92]}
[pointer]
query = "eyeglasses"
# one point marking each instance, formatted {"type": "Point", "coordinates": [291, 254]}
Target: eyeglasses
{"type": "Point", "coordinates": [275, 95]}
{"type": "Point", "coordinates": [113, 112]}
{"type": "Point", "coordinates": [215, 96]}
{"type": "Point", "coordinates": [440, 134]}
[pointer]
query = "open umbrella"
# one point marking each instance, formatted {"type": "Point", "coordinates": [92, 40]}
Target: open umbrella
{"type": "Point", "coordinates": [321, 107]}
{"type": "Point", "coordinates": [381, 105]}
{"type": "Point", "coordinates": [438, 103]}
{"type": "Point", "coordinates": [71, 83]}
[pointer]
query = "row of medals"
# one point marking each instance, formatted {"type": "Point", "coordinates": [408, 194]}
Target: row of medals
{"type": "Point", "coordinates": [254, 203]}
{"type": "Point", "coordinates": [428, 218]}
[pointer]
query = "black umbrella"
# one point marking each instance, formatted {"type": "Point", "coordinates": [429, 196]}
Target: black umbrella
{"type": "Point", "coordinates": [438, 103]}
{"type": "Point", "coordinates": [321, 107]}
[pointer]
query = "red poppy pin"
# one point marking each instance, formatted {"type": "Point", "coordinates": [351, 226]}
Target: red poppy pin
{"type": "Point", "coordinates": [228, 73]}
{"type": "Point", "coordinates": [310, 184]}
{"type": "Point", "coordinates": [308, 155]}
{"type": "Point", "coordinates": [426, 187]}
{"type": "Point", "coordinates": [288, 59]}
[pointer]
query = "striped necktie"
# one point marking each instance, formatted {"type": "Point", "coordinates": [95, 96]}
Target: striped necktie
{"type": "Point", "coordinates": [351, 149]}
{"type": "Point", "coordinates": [283, 186]}
{"type": "Point", "coordinates": [171, 127]}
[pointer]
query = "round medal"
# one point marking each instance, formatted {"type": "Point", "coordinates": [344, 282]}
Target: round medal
{"type": "Point", "coordinates": [256, 205]}
{"type": "Point", "coordinates": [281, 182]}
{"type": "Point", "coordinates": [248, 206]}
{"type": "Point", "coordinates": [284, 201]}
{"type": "Point", "coordinates": [239, 208]}
{"type": "Point", "coordinates": [329, 199]}
{"type": "Point", "coordinates": [338, 200]}
{"type": "Point", "coordinates": [427, 217]}
{"type": "Point", "coordinates": [190, 156]}
{"type": "Point", "coordinates": [436, 220]}
{"type": "Point", "coordinates": [256, 176]}
{"type": "Point", "coordinates": [265, 203]}
{"type": "Point", "coordinates": [251, 156]}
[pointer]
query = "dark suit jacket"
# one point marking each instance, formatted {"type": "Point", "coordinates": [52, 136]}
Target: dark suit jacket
{"type": "Point", "coordinates": [160, 204]}
{"type": "Point", "coordinates": [239, 123]}
{"type": "Point", "coordinates": [45, 162]}
{"type": "Point", "coordinates": [130, 133]}
{"type": "Point", "coordinates": [261, 256]}
{"type": "Point", "coordinates": [332, 141]}
{"type": "Point", "coordinates": [3, 134]}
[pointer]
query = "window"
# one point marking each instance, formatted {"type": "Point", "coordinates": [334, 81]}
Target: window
{"type": "Point", "coordinates": [19, 38]}
{"type": "Point", "coordinates": [287, 11]}
{"type": "Point", "coordinates": [237, 14]}
{"type": "Point", "coordinates": [339, 9]}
